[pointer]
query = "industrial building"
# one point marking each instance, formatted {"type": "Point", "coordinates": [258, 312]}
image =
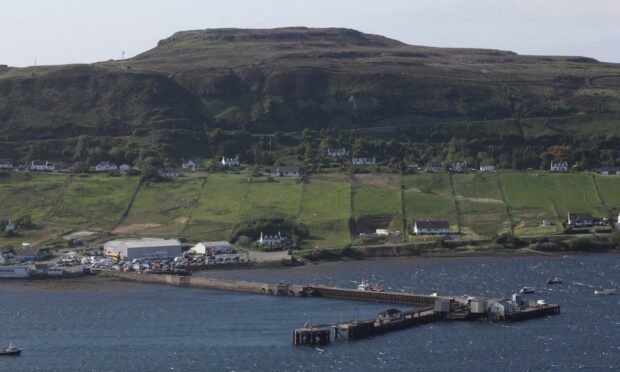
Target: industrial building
{"type": "Point", "coordinates": [145, 248]}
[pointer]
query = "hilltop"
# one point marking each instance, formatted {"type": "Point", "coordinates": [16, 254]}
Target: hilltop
{"type": "Point", "coordinates": [290, 79]}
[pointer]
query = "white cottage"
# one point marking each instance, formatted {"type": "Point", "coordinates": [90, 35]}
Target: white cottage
{"type": "Point", "coordinates": [364, 161]}
{"type": "Point", "coordinates": [336, 152]}
{"type": "Point", "coordinates": [285, 171]}
{"type": "Point", "coordinates": [192, 164]}
{"type": "Point", "coordinates": [230, 162]}
{"type": "Point", "coordinates": [42, 166]}
{"type": "Point", "coordinates": [273, 241]}
{"type": "Point", "coordinates": [124, 167]}
{"type": "Point", "coordinates": [487, 168]}
{"type": "Point", "coordinates": [427, 227]}
{"type": "Point", "coordinates": [169, 173]}
{"type": "Point", "coordinates": [106, 166]}
{"type": "Point", "coordinates": [559, 166]}
{"type": "Point", "coordinates": [6, 164]}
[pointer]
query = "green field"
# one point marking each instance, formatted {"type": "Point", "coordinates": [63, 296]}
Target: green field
{"type": "Point", "coordinates": [483, 212]}
{"type": "Point", "coordinates": [208, 207]}
{"type": "Point", "coordinates": [326, 209]}
{"type": "Point", "coordinates": [533, 196]}
{"type": "Point", "coordinates": [30, 194]}
{"type": "Point", "coordinates": [219, 207]}
{"type": "Point", "coordinates": [162, 209]}
{"type": "Point", "coordinates": [93, 202]}
{"type": "Point", "coordinates": [429, 196]}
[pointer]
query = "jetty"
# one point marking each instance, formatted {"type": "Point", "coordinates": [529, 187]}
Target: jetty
{"type": "Point", "coordinates": [428, 308]}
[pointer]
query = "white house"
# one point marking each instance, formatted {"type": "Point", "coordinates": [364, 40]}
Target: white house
{"type": "Point", "coordinates": [382, 232]}
{"type": "Point", "coordinates": [230, 162]}
{"type": "Point", "coordinates": [487, 168]}
{"type": "Point", "coordinates": [580, 220]}
{"type": "Point", "coordinates": [605, 171]}
{"type": "Point", "coordinates": [168, 173]}
{"type": "Point", "coordinates": [619, 218]}
{"type": "Point", "coordinates": [124, 167]}
{"type": "Point", "coordinates": [213, 248]}
{"type": "Point", "coordinates": [285, 171]}
{"type": "Point", "coordinates": [10, 226]}
{"type": "Point", "coordinates": [6, 164]}
{"type": "Point", "coordinates": [559, 166]}
{"type": "Point", "coordinates": [364, 161]}
{"type": "Point", "coordinates": [426, 227]}
{"type": "Point", "coordinates": [192, 164]}
{"type": "Point", "coordinates": [42, 166]}
{"type": "Point", "coordinates": [106, 166]}
{"type": "Point", "coordinates": [273, 241]}
{"type": "Point", "coordinates": [459, 167]}
{"type": "Point", "coordinates": [336, 152]}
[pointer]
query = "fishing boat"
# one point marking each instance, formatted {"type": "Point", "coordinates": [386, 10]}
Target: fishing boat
{"type": "Point", "coordinates": [365, 286]}
{"type": "Point", "coordinates": [554, 280]}
{"type": "Point", "coordinates": [10, 350]}
{"type": "Point", "coordinates": [527, 290]}
{"type": "Point", "coordinates": [603, 291]}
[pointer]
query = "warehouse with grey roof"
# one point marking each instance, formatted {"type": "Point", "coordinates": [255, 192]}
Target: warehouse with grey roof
{"type": "Point", "coordinates": [146, 248]}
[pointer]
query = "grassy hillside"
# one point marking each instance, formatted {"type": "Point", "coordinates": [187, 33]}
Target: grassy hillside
{"type": "Point", "coordinates": [209, 206]}
{"type": "Point", "coordinates": [326, 209]}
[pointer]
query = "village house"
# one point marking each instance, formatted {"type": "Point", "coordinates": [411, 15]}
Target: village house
{"type": "Point", "coordinates": [230, 162]}
{"type": "Point", "coordinates": [213, 248]}
{"type": "Point", "coordinates": [428, 227]}
{"type": "Point", "coordinates": [487, 168]}
{"type": "Point", "coordinates": [106, 166]}
{"type": "Point", "coordinates": [124, 168]}
{"type": "Point", "coordinates": [580, 220]}
{"type": "Point", "coordinates": [10, 227]}
{"type": "Point", "coordinates": [559, 166]}
{"type": "Point", "coordinates": [607, 171]}
{"type": "Point", "coordinates": [169, 173]}
{"type": "Point", "coordinates": [364, 161]}
{"type": "Point", "coordinates": [285, 171]}
{"type": "Point", "coordinates": [336, 152]}
{"type": "Point", "coordinates": [618, 218]}
{"type": "Point", "coordinates": [382, 232]}
{"type": "Point", "coordinates": [459, 167]}
{"type": "Point", "coordinates": [273, 241]}
{"type": "Point", "coordinates": [192, 164]}
{"type": "Point", "coordinates": [42, 166]}
{"type": "Point", "coordinates": [6, 164]}
{"type": "Point", "coordinates": [433, 167]}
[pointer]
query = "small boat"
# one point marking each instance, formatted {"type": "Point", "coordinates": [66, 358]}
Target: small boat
{"type": "Point", "coordinates": [527, 290]}
{"type": "Point", "coordinates": [603, 291]}
{"type": "Point", "coordinates": [10, 350]}
{"type": "Point", "coordinates": [554, 280]}
{"type": "Point", "coordinates": [365, 286]}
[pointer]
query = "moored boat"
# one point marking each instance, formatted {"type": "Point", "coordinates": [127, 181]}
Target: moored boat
{"type": "Point", "coordinates": [365, 286]}
{"type": "Point", "coordinates": [554, 280]}
{"type": "Point", "coordinates": [527, 290]}
{"type": "Point", "coordinates": [10, 350]}
{"type": "Point", "coordinates": [605, 291]}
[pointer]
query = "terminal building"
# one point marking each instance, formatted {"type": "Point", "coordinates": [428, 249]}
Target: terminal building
{"type": "Point", "coordinates": [145, 248]}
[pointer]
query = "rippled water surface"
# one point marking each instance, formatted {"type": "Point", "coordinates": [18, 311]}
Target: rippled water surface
{"type": "Point", "coordinates": [105, 325]}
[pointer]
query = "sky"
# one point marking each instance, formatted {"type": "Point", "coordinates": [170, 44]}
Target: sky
{"type": "Point", "coordinates": [85, 31]}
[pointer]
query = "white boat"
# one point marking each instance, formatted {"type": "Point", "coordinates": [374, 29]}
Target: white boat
{"type": "Point", "coordinates": [605, 291]}
{"type": "Point", "coordinates": [365, 286]}
{"type": "Point", "coordinates": [527, 290]}
{"type": "Point", "coordinates": [10, 350]}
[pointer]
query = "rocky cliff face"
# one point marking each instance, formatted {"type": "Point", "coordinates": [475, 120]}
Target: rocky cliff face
{"type": "Point", "coordinates": [295, 78]}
